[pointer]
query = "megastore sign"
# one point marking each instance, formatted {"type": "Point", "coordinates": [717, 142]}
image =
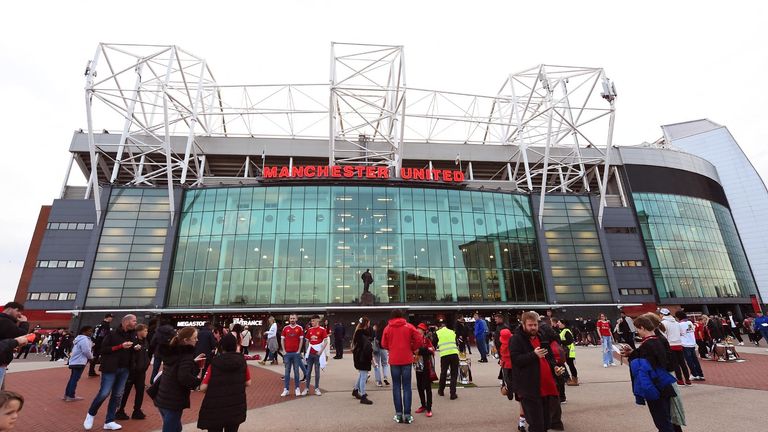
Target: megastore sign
{"type": "Point", "coordinates": [361, 172]}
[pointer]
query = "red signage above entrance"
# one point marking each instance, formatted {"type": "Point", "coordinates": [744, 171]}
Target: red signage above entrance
{"type": "Point", "coordinates": [362, 172]}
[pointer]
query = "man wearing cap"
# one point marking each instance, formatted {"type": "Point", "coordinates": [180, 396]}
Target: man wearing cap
{"type": "Point", "coordinates": [101, 331]}
{"type": "Point", "coordinates": [673, 333]}
{"type": "Point", "coordinates": [449, 357]}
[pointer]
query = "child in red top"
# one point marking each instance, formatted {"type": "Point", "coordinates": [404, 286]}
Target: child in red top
{"type": "Point", "coordinates": [424, 372]}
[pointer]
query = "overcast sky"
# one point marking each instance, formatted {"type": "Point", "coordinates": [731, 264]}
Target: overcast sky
{"type": "Point", "coordinates": [671, 61]}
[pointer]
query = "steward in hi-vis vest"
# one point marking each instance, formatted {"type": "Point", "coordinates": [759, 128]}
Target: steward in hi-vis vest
{"type": "Point", "coordinates": [449, 357]}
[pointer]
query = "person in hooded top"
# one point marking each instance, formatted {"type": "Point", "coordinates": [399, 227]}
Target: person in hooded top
{"type": "Point", "coordinates": [401, 339]}
{"type": "Point", "coordinates": [224, 405]}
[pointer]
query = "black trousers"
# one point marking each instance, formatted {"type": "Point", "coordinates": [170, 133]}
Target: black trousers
{"type": "Point", "coordinates": [424, 386]}
{"type": "Point", "coordinates": [703, 349]}
{"type": "Point", "coordinates": [452, 361]}
{"type": "Point", "coordinates": [681, 368]}
{"type": "Point", "coordinates": [660, 412]}
{"type": "Point", "coordinates": [228, 428]}
{"type": "Point", "coordinates": [94, 361]}
{"type": "Point", "coordinates": [571, 362]}
{"type": "Point", "coordinates": [734, 332]}
{"type": "Point", "coordinates": [339, 344]}
{"type": "Point", "coordinates": [537, 414]}
{"type": "Point", "coordinates": [135, 380]}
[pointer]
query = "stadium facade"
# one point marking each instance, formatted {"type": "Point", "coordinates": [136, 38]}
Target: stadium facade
{"type": "Point", "coordinates": [208, 207]}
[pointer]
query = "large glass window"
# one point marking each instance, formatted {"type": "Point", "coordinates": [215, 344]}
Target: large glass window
{"type": "Point", "coordinates": [693, 247]}
{"type": "Point", "coordinates": [311, 244]}
{"type": "Point", "coordinates": [131, 246]}
{"type": "Point", "coordinates": [578, 269]}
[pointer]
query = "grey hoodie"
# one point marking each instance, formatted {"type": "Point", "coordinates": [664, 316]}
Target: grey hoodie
{"type": "Point", "coordinates": [81, 351]}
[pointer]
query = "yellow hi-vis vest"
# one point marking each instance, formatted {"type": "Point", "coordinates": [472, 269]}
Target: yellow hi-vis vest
{"type": "Point", "coordinates": [446, 342]}
{"type": "Point", "coordinates": [571, 347]}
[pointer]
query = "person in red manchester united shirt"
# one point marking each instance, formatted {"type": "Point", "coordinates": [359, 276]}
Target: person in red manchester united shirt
{"type": "Point", "coordinates": [604, 330]}
{"type": "Point", "coordinates": [317, 339]}
{"type": "Point", "coordinates": [292, 338]}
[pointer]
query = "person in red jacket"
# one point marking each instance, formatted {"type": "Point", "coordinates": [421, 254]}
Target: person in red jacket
{"type": "Point", "coordinates": [401, 339]}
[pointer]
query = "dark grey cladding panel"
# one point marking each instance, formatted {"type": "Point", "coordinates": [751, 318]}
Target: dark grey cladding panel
{"type": "Point", "coordinates": [619, 217]}
{"type": "Point", "coordinates": [65, 244]}
{"type": "Point", "coordinates": [55, 280]}
{"type": "Point", "coordinates": [625, 246]}
{"type": "Point", "coordinates": [48, 305]}
{"type": "Point", "coordinates": [655, 179]}
{"type": "Point", "coordinates": [637, 277]}
{"type": "Point", "coordinates": [70, 210]}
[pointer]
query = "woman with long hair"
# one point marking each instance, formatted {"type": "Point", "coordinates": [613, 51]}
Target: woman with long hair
{"type": "Point", "coordinates": [180, 375]}
{"type": "Point", "coordinates": [362, 354]}
{"type": "Point", "coordinates": [606, 338]}
{"type": "Point", "coordinates": [224, 405]}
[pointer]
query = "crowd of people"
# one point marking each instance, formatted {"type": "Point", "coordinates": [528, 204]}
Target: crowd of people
{"type": "Point", "coordinates": [536, 355]}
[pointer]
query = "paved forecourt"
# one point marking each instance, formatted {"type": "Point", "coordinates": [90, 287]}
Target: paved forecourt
{"type": "Point", "coordinates": [604, 400]}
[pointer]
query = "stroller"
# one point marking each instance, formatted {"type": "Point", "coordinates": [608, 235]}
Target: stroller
{"type": "Point", "coordinates": [465, 369]}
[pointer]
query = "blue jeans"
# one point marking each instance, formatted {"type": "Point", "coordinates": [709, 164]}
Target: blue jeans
{"type": "Point", "coordinates": [313, 361]}
{"type": "Point", "coordinates": [3, 370]}
{"type": "Point", "coordinates": [74, 377]}
{"type": "Point", "coordinates": [382, 360]}
{"type": "Point", "coordinates": [401, 388]}
{"type": "Point", "coordinates": [171, 420]}
{"type": "Point", "coordinates": [362, 377]}
{"type": "Point", "coordinates": [693, 361]}
{"type": "Point", "coordinates": [114, 383]}
{"type": "Point", "coordinates": [291, 360]}
{"type": "Point", "coordinates": [482, 346]}
{"type": "Point", "coordinates": [607, 350]}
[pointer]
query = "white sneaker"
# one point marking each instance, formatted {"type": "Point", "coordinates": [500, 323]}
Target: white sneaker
{"type": "Point", "coordinates": [298, 391]}
{"type": "Point", "coordinates": [112, 426]}
{"type": "Point", "coordinates": [317, 392]}
{"type": "Point", "coordinates": [284, 393]}
{"type": "Point", "coordinates": [741, 343]}
{"type": "Point", "coordinates": [304, 393]}
{"type": "Point", "coordinates": [88, 423]}
{"type": "Point", "coordinates": [605, 365]}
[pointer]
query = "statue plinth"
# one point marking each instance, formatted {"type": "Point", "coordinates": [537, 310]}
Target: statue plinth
{"type": "Point", "coordinates": [367, 298]}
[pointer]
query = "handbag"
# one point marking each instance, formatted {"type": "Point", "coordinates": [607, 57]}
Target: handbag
{"type": "Point", "coordinates": [154, 388]}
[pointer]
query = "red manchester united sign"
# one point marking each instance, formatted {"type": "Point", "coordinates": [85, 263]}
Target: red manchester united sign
{"type": "Point", "coordinates": [361, 172]}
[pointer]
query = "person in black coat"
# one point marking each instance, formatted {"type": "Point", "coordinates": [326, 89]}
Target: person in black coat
{"type": "Point", "coordinates": [180, 375]}
{"type": "Point", "coordinates": [206, 344]}
{"type": "Point", "coordinates": [13, 324]}
{"type": "Point", "coordinates": [161, 338]}
{"type": "Point", "coordinates": [224, 405]}
{"type": "Point", "coordinates": [338, 339]}
{"type": "Point", "coordinates": [533, 374]}
{"type": "Point", "coordinates": [99, 333]}
{"type": "Point", "coordinates": [362, 354]}
{"type": "Point", "coordinates": [136, 377]}
{"type": "Point", "coordinates": [116, 353]}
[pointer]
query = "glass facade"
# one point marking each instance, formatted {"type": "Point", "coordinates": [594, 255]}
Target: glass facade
{"type": "Point", "coordinates": [578, 268]}
{"type": "Point", "coordinates": [127, 266]}
{"type": "Point", "coordinates": [310, 244]}
{"type": "Point", "coordinates": [693, 247]}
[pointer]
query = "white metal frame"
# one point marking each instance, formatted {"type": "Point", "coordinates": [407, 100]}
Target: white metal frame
{"type": "Point", "coordinates": [555, 118]}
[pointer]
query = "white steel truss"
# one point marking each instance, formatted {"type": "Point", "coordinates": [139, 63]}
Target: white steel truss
{"type": "Point", "coordinates": [555, 118]}
{"type": "Point", "coordinates": [367, 104]}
